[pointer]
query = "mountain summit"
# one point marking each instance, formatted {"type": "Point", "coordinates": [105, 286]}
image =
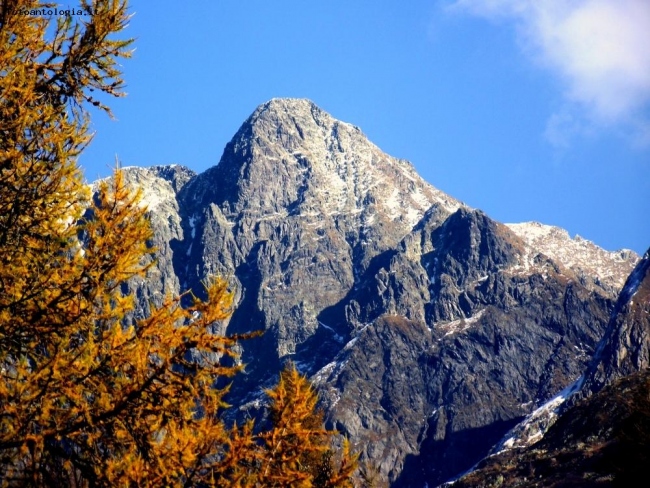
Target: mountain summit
{"type": "Point", "coordinates": [291, 157]}
{"type": "Point", "coordinates": [304, 202]}
{"type": "Point", "coordinates": [429, 328]}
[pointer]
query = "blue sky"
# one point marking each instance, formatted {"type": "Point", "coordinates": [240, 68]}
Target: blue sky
{"type": "Point", "coordinates": [527, 110]}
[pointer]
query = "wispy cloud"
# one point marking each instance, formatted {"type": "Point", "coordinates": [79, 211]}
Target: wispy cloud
{"type": "Point", "coordinates": [599, 48]}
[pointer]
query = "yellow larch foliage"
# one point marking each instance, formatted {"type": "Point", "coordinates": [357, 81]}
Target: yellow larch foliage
{"type": "Point", "coordinates": [84, 398]}
{"type": "Point", "coordinates": [298, 449]}
{"type": "Point", "coordinates": [88, 398]}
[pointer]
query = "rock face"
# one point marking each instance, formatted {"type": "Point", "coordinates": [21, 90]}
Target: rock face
{"type": "Point", "coordinates": [429, 328]}
{"type": "Point", "coordinates": [625, 349]}
{"type": "Point", "coordinates": [594, 266]}
{"type": "Point", "coordinates": [600, 435]}
{"type": "Point", "coordinates": [483, 343]}
{"type": "Point", "coordinates": [603, 440]}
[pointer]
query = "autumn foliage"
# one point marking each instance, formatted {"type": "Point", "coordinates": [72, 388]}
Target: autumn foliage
{"type": "Point", "coordinates": [87, 396]}
{"type": "Point", "coordinates": [297, 449]}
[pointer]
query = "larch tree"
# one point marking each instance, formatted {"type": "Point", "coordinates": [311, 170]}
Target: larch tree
{"type": "Point", "coordinates": [87, 399]}
{"type": "Point", "coordinates": [298, 449]}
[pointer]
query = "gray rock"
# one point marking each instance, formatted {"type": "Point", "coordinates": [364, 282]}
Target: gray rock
{"type": "Point", "coordinates": [599, 426]}
{"type": "Point", "coordinates": [429, 328]}
{"type": "Point", "coordinates": [625, 348]}
{"type": "Point", "coordinates": [482, 345]}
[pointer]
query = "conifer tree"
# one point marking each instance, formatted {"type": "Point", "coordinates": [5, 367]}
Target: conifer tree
{"type": "Point", "coordinates": [298, 449]}
{"type": "Point", "coordinates": [84, 399]}
{"type": "Point", "coordinates": [87, 399]}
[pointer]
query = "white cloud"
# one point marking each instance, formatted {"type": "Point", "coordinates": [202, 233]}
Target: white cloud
{"type": "Point", "coordinates": [599, 48]}
{"type": "Point", "coordinates": [561, 128]}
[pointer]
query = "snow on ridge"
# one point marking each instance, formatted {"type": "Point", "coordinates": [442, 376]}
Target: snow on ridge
{"type": "Point", "coordinates": [578, 254]}
{"type": "Point", "coordinates": [634, 281]}
{"type": "Point", "coordinates": [155, 191]}
{"type": "Point", "coordinates": [393, 204]}
{"type": "Point", "coordinates": [537, 423]}
{"type": "Point", "coordinates": [150, 200]}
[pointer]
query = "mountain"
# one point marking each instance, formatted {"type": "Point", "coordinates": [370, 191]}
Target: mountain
{"type": "Point", "coordinates": [625, 348]}
{"type": "Point", "coordinates": [600, 435]}
{"type": "Point", "coordinates": [602, 441]}
{"type": "Point", "coordinates": [594, 266]}
{"type": "Point", "coordinates": [429, 328]}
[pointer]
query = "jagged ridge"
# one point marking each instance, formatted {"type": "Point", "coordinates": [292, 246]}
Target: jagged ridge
{"type": "Point", "coordinates": [417, 316]}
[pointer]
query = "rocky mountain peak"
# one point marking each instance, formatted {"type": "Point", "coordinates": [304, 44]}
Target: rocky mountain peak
{"type": "Point", "coordinates": [422, 321]}
{"type": "Point", "coordinates": [290, 157]}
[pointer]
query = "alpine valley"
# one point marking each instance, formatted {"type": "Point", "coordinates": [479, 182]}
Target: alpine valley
{"type": "Point", "coordinates": [429, 329]}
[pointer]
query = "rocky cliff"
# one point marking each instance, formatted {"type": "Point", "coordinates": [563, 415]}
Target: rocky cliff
{"type": "Point", "coordinates": [600, 434]}
{"type": "Point", "coordinates": [601, 441]}
{"type": "Point", "coordinates": [625, 348]}
{"type": "Point", "coordinates": [429, 328]}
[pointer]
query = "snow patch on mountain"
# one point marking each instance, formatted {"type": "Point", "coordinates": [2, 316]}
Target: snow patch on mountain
{"type": "Point", "coordinates": [460, 325]}
{"type": "Point", "coordinates": [533, 428]}
{"type": "Point", "coordinates": [580, 255]}
{"type": "Point", "coordinates": [153, 198]}
{"type": "Point", "coordinates": [634, 281]}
